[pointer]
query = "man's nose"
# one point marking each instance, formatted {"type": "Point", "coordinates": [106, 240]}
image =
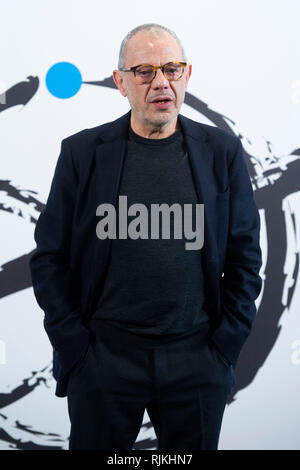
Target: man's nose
{"type": "Point", "coordinates": [160, 81]}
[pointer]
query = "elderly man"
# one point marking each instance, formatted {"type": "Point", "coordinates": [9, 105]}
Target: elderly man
{"type": "Point", "coordinates": [141, 322]}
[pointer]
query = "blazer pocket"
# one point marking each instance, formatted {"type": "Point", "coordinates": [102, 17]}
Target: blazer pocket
{"type": "Point", "coordinates": [223, 196]}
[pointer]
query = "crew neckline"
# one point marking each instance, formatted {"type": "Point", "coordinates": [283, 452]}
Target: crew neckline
{"type": "Point", "coordinates": [154, 142]}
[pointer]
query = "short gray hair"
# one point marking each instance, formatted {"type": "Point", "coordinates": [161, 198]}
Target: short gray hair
{"type": "Point", "coordinates": [151, 27]}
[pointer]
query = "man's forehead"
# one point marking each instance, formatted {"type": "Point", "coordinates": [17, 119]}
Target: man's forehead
{"type": "Point", "coordinates": [152, 48]}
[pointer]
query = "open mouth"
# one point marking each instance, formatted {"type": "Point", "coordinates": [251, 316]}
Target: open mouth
{"type": "Point", "coordinates": [163, 103]}
{"type": "Point", "coordinates": [166, 100]}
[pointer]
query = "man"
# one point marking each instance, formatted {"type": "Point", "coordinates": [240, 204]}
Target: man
{"type": "Point", "coordinates": [136, 321]}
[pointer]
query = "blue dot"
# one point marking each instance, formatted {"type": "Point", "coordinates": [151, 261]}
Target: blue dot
{"type": "Point", "coordinates": [63, 80]}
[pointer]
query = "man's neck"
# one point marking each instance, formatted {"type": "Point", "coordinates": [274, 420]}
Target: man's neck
{"type": "Point", "coordinates": [155, 132]}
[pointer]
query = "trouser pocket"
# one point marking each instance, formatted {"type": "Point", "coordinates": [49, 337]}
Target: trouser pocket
{"type": "Point", "coordinates": [82, 361]}
{"type": "Point", "coordinates": [220, 356]}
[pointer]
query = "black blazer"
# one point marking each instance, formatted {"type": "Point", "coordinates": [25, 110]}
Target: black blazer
{"type": "Point", "coordinates": [68, 264]}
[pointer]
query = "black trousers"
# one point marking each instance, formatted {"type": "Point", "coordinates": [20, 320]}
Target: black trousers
{"type": "Point", "coordinates": [183, 384]}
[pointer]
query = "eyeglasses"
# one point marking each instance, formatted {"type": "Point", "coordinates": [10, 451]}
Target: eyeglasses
{"type": "Point", "coordinates": [145, 73]}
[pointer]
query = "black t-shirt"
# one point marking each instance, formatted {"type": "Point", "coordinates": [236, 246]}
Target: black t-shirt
{"type": "Point", "coordinates": [154, 287]}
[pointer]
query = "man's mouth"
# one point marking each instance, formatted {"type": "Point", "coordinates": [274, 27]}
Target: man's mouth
{"type": "Point", "coordinates": [162, 102]}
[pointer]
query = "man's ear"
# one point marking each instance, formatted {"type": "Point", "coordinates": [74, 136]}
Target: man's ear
{"type": "Point", "coordinates": [188, 74]}
{"type": "Point", "coordinates": [119, 81]}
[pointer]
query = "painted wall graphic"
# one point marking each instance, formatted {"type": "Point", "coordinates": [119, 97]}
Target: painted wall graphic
{"type": "Point", "coordinates": [30, 416]}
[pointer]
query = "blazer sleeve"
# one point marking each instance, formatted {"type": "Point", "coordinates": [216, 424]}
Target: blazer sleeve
{"type": "Point", "coordinates": [241, 283]}
{"type": "Point", "coordinates": [50, 265]}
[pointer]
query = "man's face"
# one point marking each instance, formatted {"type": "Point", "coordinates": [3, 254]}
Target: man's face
{"type": "Point", "coordinates": [149, 48]}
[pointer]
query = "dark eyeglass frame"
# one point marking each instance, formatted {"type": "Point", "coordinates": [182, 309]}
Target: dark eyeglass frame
{"type": "Point", "coordinates": [155, 68]}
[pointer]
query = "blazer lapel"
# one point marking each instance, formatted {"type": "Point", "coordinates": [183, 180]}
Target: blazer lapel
{"type": "Point", "coordinates": [201, 158]}
{"type": "Point", "coordinates": [110, 157]}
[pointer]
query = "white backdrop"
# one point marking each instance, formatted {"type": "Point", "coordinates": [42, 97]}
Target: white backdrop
{"type": "Point", "coordinates": [245, 57]}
